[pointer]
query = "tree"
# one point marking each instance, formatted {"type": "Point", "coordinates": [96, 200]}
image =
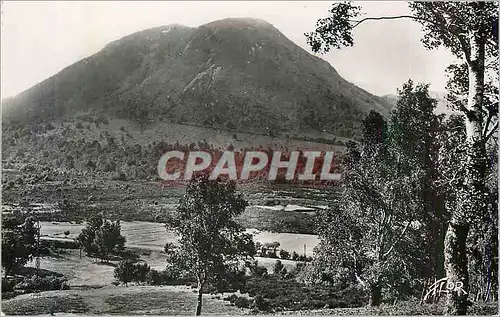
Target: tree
{"type": "Point", "coordinates": [19, 242]}
{"type": "Point", "coordinates": [87, 235]}
{"type": "Point", "coordinates": [100, 238]}
{"type": "Point", "coordinates": [469, 31]}
{"type": "Point", "coordinates": [141, 271]}
{"type": "Point", "coordinates": [388, 201]}
{"type": "Point", "coordinates": [124, 272]}
{"type": "Point", "coordinates": [211, 242]}
{"type": "Point", "coordinates": [256, 269]}
{"type": "Point", "coordinates": [415, 147]}
{"type": "Point", "coordinates": [154, 277]}
{"type": "Point", "coordinates": [482, 245]}
{"type": "Point", "coordinates": [367, 226]}
{"type": "Point", "coordinates": [108, 239]}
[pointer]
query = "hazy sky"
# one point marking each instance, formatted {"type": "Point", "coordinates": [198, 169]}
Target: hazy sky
{"type": "Point", "coordinates": [41, 38]}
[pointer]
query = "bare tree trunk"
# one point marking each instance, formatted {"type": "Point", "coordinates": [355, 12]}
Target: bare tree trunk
{"type": "Point", "coordinates": [456, 266]}
{"type": "Point", "coordinates": [200, 299]}
{"type": "Point", "coordinates": [472, 196]}
{"type": "Point", "coordinates": [375, 293]}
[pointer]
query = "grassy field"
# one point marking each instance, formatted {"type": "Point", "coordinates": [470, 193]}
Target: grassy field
{"type": "Point", "coordinates": [121, 300]}
{"type": "Point", "coordinates": [153, 236]}
{"type": "Point", "coordinates": [91, 291]}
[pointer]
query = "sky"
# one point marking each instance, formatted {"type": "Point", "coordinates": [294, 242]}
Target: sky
{"type": "Point", "coordinates": [39, 39]}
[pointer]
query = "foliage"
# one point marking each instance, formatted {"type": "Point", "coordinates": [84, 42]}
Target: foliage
{"type": "Point", "coordinates": [18, 242]}
{"type": "Point", "coordinates": [415, 146]}
{"type": "Point", "coordinates": [141, 271]}
{"type": "Point", "coordinates": [108, 239]}
{"type": "Point", "coordinates": [368, 224]}
{"type": "Point", "coordinates": [284, 254]}
{"type": "Point", "coordinates": [100, 238]}
{"type": "Point", "coordinates": [128, 271]}
{"type": "Point", "coordinates": [125, 271]}
{"type": "Point", "coordinates": [278, 268]}
{"type": "Point", "coordinates": [275, 294]}
{"type": "Point", "coordinates": [335, 30]}
{"type": "Point", "coordinates": [390, 200]}
{"type": "Point", "coordinates": [211, 242]}
{"type": "Point", "coordinates": [469, 30]}
{"type": "Point", "coordinates": [256, 269]}
{"type": "Point", "coordinates": [43, 283]}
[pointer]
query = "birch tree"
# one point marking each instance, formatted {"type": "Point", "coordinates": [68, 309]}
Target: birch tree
{"type": "Point", "coordinates": [469, 31]}
{"type": "Point", "coordinates": [211, 242]}
{"type": "Point", "coordinates": [367, 227]}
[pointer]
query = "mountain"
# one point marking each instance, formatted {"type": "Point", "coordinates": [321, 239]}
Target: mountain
{"type": "Point", "coordinates": [233, 83]}
{"type": "Point", "coordinates": [236, 74]}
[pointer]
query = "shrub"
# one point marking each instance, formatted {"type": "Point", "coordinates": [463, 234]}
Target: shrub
{"type": "Point", "coordinates": [271, 254]}
{"type": "Point", "coordinates": [261, 304]}
{"type": "Point", "coordinates": [284, 254]}
{"type": "Point", "coordinates": [8, 284]}
{"type": "Point", "coordinates": [49, 126]}
{"type": "Point", "coordinates": [288, 294]}
{"type": "Point", "coordinates": [243, 302]}
{"type": "Point", "coordinates": [256, 269]}
{"type": "Point", "coordinates": [46, 283]}
{"type": "Point", "coordinates": [232, 298]}
{"type": "Point", "coordinates": [271, 202]}
{"type": "Point", "coordinates": [278, 267]}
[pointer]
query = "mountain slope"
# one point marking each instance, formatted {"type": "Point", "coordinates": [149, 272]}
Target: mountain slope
{"type": "Point", "coordinates": [235, 74]}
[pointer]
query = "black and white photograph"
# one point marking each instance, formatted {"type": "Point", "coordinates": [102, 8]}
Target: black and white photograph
{"type": "Point", "coordinates": [249, 158]}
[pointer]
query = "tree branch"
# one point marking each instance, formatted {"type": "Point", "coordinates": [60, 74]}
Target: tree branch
{"type": "Point", "coordinates": [487, 124]}
{"type": "Point", "coordinates": [358, 22]}
{"type": "Point", "coordinates": [359, 279]}
{"type": "Point", "coordinates": [489, 134]}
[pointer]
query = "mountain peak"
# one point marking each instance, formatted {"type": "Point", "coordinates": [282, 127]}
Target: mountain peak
{"type": "Point", "coordinates": [239, 74]}
{"type": "Point", "coordinates": [239, 23]}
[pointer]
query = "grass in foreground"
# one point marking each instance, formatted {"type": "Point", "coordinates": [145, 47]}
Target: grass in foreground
{"type": "Point", "coordinates": [134, 300]}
